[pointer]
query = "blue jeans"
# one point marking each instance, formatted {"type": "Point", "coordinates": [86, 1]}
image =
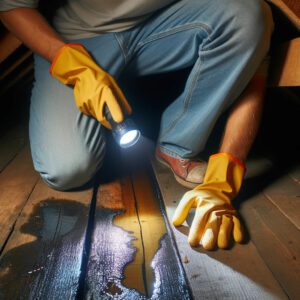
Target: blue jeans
{"type": "Point", "coordinates": [222, 41]}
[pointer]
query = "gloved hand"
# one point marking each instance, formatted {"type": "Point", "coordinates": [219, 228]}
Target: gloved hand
{"type": "Point", "coordinates": [93, 87]}
{"type": "Point", "coordinates": [215, 217]}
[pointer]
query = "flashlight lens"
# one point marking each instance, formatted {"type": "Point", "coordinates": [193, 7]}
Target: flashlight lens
{"type": "Point", "coordinates": [129, 138]}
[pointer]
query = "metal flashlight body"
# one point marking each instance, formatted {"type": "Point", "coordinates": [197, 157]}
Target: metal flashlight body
{"type": "Point", "coordinates": [125, 134]}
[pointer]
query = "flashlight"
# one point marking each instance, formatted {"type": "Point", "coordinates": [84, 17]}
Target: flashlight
{"type": "Point", "coordinates": [125, 133]}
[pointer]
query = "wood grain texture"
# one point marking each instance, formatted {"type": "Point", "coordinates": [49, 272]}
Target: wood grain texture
{"type": "Point", "coordinates": [277, 240]}
{"type": "Point", "coordinates": [11, 144]}
{"type": "Point", "coordinates": [285, 195]}
{"type": "Point", "coordinates": [16, 184]}
{"type": "Point", "coordinates": [290, 8]}
{"type": "Point", "coordinates": [43, 257]}
{"type": "Point", "coordinates": [239, 273]}
{"type": "Point", "coordinates": [132, 256]}
{"type": "Point", "coordinates": [294, 6]}
{"type": "Point", "coordinates": [7, 71]}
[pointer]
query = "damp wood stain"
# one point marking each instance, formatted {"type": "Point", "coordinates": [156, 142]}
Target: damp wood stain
{"type": "Point", "coordinates": [49, 265]}
{"type": "Point", "coordinates": [131, 255]}
{"type": "Point", "coordinates": [131, 259]}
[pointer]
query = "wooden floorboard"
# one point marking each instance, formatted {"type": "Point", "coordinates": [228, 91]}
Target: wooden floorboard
{"type": "Point", "coordinates": [240, 273]}
{"type": "Point", "coordinates": [284, 193]}
{"type": "Point", "coordinates": [11, 144]}
{"type": "Point", "coordinates": [132, 256]}
{"type": "Point", "coordinates": [132, 253]}
{"type": "Point", "coordinates": [43, 257]}
{"type": "Point", "coordinates": [17, 181]}
{"type": "Point", "coordinates": [295, 173]}
{"type": "Point", "coordinates": [277, 240]}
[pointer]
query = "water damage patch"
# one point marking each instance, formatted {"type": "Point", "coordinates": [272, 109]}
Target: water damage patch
{"type": "Point", "coordinates": [49, 265]}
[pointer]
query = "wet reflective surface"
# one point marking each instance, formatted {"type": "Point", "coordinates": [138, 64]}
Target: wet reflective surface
{"type": "Point", "coordinates": [112, 251]}
{"type": "Point", "coordinates": [49, 265]}
{"type": "Point", "coordinates": [49, 261]}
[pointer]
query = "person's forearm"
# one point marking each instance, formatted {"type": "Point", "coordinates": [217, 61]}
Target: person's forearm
{"type": "Point", "coordinates": [244, 120]}
{"type": "Point", "coordinates": [33, 30]}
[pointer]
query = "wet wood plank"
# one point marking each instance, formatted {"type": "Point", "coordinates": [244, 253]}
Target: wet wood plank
{"type": "Point", "coordinates": [43, 257]}
{"type": "Point", "coordinates": [132, 256]}
{"type": "Point", "coordinates": [240, 273]}
{"type": "Point", "coordinates": [277, 240]}
{"type": "Point", "coordinates": [16, 184]}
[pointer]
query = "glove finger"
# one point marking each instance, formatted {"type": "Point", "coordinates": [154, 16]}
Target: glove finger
{"type": "Point", "coordinates": [238, 234]}
{"type": "Point", "coordinates": [198, 225]}
{"type": "Point", "coordinates": [121, 98]}
{"type": "Point", "coordinates": [183, 208]}
{"type": "Point", "coordinates": [225, 232]}
{"type": "Point", "coordinates": [123, 101]}
{"type": "Point", "coordinates": [113, 105]}
{"type": "Point", "coordinates": [209, 238]}
{"type": "Point", "coordinates": [97, 111]}
{"type": "Point", "coordinates": [105, 123]}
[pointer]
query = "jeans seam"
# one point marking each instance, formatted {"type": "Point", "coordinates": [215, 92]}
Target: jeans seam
{"type": "Point", "coordinates": [175, 30]}
{"type": "Point", "coordinates": [121, 43]}
{"type": "Point", "coordinates": [169, 152]}
{"type": "Point", "coordinates": [187, 99]}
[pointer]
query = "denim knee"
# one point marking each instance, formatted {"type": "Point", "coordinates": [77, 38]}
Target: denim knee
{"type": "Point", "coordinates": [252, 24]}
{"type": "Point", "coordinates": [72, 172]}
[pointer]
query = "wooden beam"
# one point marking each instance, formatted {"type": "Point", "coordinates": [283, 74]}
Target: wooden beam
{"type": "Point", "coordinates": [285, 65]}
{"type": "Point", "coordinates": [291, 10]}
{"type": "Point", "coordinates": [8, 44]}
{"type": "Point", "coordinates": [6, 72]}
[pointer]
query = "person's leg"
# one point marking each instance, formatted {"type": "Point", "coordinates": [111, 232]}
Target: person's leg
{"type": "Point", "coordinates": [68, 147]}
{"type": "Point", "coordinates": [244, 119]}
{"type": "Point", "coordinates": [223, 41]}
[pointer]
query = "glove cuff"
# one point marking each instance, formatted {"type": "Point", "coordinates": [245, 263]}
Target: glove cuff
{"type": "Point", "coordinates": [224, 176]}
{"type": "Point", "coordinates": [58, 55]}
{"type": "Point", "coordinates": [231, 158]}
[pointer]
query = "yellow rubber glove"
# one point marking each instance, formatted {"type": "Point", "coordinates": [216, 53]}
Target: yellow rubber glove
{"type": "Point", "coordinates": [215, 217]}
{"type": "Point", "coordinates": [93, 87]}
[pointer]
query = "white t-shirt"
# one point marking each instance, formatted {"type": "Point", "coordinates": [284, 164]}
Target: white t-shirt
{"type": "Point", "coordinates": [77, 19]}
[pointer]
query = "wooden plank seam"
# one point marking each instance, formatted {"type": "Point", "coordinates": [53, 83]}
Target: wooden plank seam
{"type": "Point", "coordinates": [87, 245]}
{"type": "Point", "coordinates": [12, 228]}
{"type": "Point", "coordinates": [142, 242]}
{"type": "Point", "coordinates": [170, 232]}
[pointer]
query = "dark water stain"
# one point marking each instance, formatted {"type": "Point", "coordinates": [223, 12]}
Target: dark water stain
{"type": "Point", "coordinates": [48, 267]}
{"type": "Point", "coordinates": [112, 250]}
{"type": "Point", "coordinates": [169, 278]}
